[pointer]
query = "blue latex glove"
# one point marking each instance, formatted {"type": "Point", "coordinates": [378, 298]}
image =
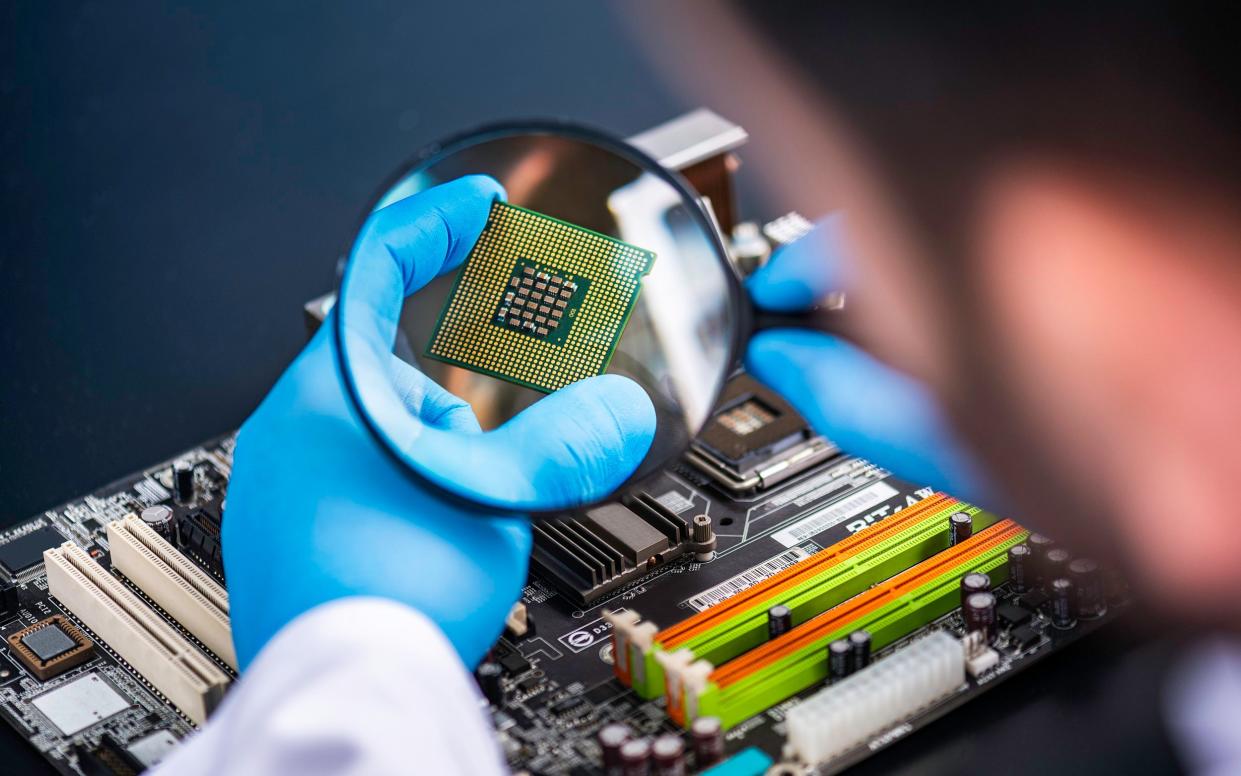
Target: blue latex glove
{"type": "Point", "coordinates": [317, 510]}
{"type": "Point", "coordinates": [862, 405]}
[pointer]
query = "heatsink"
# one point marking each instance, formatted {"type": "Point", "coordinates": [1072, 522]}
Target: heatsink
{"type": "Point", "coordinates": [116, 615]}
{"type": "Point", "coordinates": [185, 591]}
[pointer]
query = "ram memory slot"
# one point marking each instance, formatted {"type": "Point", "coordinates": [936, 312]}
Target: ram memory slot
{"type": "Point", "coordinates": [797, 660]}
{"type": "Point", "coordinates": [808, 588]}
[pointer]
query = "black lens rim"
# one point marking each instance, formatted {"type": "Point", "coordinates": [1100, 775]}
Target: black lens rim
{"type": "Point", "coordinates": [430, 154]}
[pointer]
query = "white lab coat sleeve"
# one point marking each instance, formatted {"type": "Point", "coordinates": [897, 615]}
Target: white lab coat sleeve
{"type": "Point", "coordinates": [355, 686]}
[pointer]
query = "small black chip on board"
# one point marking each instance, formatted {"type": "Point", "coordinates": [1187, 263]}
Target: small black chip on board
{"type": "Point", "coordinates": [25, 552]}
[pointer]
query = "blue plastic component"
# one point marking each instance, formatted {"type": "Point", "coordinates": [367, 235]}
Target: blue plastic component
{"type": "Point", "coordinates": [747, 762]}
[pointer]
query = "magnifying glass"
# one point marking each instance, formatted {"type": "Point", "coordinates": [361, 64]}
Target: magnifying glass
{"type": "Point", "coordinates": [599, 260]}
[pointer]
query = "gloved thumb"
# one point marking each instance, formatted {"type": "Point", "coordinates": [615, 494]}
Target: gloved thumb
{"type": "Point", "coordinates": [866, 407]}
{"type": "Point", "coordinates": [581, 442]}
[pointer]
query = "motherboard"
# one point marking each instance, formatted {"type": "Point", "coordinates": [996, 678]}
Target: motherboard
{"type": "Point", "coordinates": [769, 604]}
{"type": "Point", "coordinates": [688, 622]}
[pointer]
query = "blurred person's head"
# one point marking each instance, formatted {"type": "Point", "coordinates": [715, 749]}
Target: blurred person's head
{"type": "Point", "coordinates": [1045, 222]}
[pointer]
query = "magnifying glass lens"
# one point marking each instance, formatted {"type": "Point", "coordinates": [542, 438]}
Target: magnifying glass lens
{"type": "Point", "coordinates": [596, 261]}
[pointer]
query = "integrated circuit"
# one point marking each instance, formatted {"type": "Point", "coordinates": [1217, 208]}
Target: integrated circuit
{"type": "Point", "coordinates": [50, 647]}
{"type": "Point", "coordinates": [539, 302]}
{"type": "Point", "coordinates": [25, 552]}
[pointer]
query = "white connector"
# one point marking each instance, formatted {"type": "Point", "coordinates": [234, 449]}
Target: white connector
{"type": "Point", "coordinates": [875, 698]}
{"type": "Point", "coordinates": [120, 619]}
{"type": "Point", "coordinates": [631, 640]}
{"type": "Point", "coordinates": [172, 580]}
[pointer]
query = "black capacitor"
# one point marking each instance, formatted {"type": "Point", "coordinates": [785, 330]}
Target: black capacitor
{"type": "Point", "coordinates": [159, 517]}
{"type": "Point", "coordinates": [1039, 545]}
{"type": "Point", "coordinates": [488, 676]}
{"type": "Point", "coordinates": [1056, 563]}
{"type": "Point", "coordinates": [1090, 599]}
{"type": "Point", "coordinates": [611, 738]}
{"type": "Point", "coordinates": [668, 752]}
{"type": "Point", "coordinates": [1020, 573]}
{"type": "Point", "coordinates": [1062, 602]}
{"type": "Point", "coordinates": [636, 757]}
{"type": "Point", "coordinates": [974, 582]}
{"type": "Point", "coordinates": [960, 527]}
{"type": "Point", "coordinates": [979, 614]}
{"type": "Point", "coordinates": [183, 482]}
{"type": "Point", "coordinates": [859, 643]}
{"type": "Point", "coordinates": [839, 659]}
{"type": "Point", "coordinates": [708, 737]}
{"type": "Point", "coordinates": [779, 621]}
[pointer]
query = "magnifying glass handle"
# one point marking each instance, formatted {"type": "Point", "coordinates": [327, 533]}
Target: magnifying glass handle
{"type": "Point", "coordinates": [827, 315]}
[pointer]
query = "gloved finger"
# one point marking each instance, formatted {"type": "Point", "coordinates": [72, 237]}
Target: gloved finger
{"type": "Point", "coordinates": [426, 399]}
{"type": "Point", "coordinates": [866, 408]}
{"type": "Point", "coordinates": [573, 446]}
{"type": "Point", "coordinates": [582, 441]}
{"type": "Point", "coordinates": [404, 245]}
{"type": "Point", "coordinates": [802, 272]}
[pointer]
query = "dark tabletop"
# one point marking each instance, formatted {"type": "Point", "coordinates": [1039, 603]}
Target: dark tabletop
{"type": "Point", "coordinates": [179, 178]}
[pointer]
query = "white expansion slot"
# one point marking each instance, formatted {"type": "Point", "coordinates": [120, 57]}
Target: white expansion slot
{"type": "Point", "coordinates": [154, 648]}
{"type": "Point", "coordinates": [874, 699]}
{"type": "Point", "coordinates": [172, 580]}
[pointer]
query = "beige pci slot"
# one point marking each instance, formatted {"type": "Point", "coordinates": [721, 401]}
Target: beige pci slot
{"type": "Point", "coordinates": [172, 580]}
{"type": "Point", "coordinates": [120, 619]}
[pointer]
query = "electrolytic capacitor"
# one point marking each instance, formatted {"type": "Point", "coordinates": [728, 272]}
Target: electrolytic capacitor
{"type": "Point", "coordinates": [1090, 598]}
{"type": "Point", "coordinates": [1020, 574]}
{"type": "Point", "coordinates": [636, 757]}
{"type": "Point", "coordinates": [159, 517]}
{"type": "Point", "coordinates": [611, 738]}
{"type": "Point", "coordinates": [183, 482]}
{"type": "Point", "coordinates": [668, 752]}
{"type": "Point", "coordinates": [488, 675]}
{"type": "Point", "coordinates": [779, 620]}
{"type": "Point", "coordinates": [1056, 563]}
{"type": "Point", "coordinates": [974, 582]}
{"type": "Point", "coordinates": [839, 660]}
{"type": "Point", "coordinates": [708, 737]}
{"type": "Point", "coordinates": [1062, 602]}
{"type": "Point", "coordinates": [960, 527]}
{"type": "Point", "coordinates": [1039, 545]}
{"type": "Point", "coordinates": [979, 614]}
{"type": "Point", "coordinates": [859, 642]}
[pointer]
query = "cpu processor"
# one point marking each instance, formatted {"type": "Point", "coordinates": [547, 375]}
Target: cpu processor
{"type": "Point", "coordinates": [539, 302]}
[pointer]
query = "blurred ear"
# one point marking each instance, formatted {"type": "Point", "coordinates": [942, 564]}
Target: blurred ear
{"type": "Point", "coordinates": [1117, 308]}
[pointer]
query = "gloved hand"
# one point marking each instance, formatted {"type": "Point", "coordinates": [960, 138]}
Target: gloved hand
{"type": "Point", "coordinates": [317, 510]}
{"type": "Point", "coordinates": [862, 405]}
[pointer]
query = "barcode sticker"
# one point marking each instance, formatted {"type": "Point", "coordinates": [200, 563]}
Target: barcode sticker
{"type": "Point", "coordinates": [825, 518]}
{"type": "Point", "coordinates": [750, 577]}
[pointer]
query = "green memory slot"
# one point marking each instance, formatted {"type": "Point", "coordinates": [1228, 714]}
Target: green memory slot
{"type": "Point", "coordinates": [836, 584]}
{"type": "Point", "coordinates": [808, 666]}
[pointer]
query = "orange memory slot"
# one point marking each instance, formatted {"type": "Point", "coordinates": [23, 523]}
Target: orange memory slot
{"type": "Point", "coordinates": [794, 575]}
{"type": "Point", "coordinates": [884, 593]}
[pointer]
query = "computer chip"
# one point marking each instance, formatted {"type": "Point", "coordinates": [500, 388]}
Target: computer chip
{"type": "Point", "coordinates": [50, 647]}
{"type": "Point", "coordinates": [48, 643]}
{"type": "Point", "coordinates": [25, 552]}
{"type": "Point", "coordinates": [539, 302]}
